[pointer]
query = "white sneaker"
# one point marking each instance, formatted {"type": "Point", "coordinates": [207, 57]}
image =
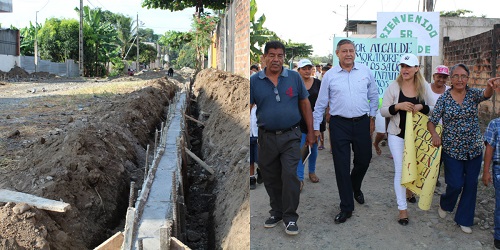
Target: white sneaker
{"type": "Point", "coordinates": [442, 213]}
{"type": "Point", "coordinates": [465, 229]}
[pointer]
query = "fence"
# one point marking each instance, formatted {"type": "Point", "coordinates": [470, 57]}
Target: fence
{"type": "Point", "coordinates": [68, 69]}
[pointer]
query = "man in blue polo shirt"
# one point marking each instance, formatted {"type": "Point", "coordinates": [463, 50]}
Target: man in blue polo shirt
{"type": "Point", "coordinates": [282, 99]}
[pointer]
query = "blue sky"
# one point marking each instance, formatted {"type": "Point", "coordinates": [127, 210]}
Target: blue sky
{"type": "Point", "coordinates": [160, 21]}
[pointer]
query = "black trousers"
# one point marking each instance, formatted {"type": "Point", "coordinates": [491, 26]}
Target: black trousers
{"type": "Point", "coordinates": [279, 157]}
{"type": "Point", "coordinates": [345, 133]}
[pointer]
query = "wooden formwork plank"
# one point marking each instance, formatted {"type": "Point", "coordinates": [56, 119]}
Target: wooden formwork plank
{"type": "Point", "coordinates": [113, 243]}
{"type": "Point", "coordinates": [33, 200]}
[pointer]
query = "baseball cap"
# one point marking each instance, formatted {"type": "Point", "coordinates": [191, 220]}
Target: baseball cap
{"type": "Point", "coordinates": [441, 69]}
{"type": "Point", "coordinates": [410, 60]}
{"type": "Point", "coordinates": [304, 62]}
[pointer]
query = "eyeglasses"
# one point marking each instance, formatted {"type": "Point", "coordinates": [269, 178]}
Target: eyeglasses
{"type": "Point", "coordinates": [462, 77]}
{"type": "Point", "coordinates": [277, 94]}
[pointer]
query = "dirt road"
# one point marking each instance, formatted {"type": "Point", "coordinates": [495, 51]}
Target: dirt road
{"type": "Point", "coordinates": [373, 224]}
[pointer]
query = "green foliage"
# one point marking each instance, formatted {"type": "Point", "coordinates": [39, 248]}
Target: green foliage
{"type": "Point", "coordinates": [56, 40]}
{"type": "Point", "coordinates": [175, 39]}
{"type": "Point", "coordinates": [203, 26]}
{"type": "Point", "coordinates": [118, 66]}
{"type": "Point", "coordinates": [456, 13]}
{"type": "Point", "coordinates": [297, 50]}
{"type": "Point", "coordinates": [321, 59]}
{"type": "Point", "coordinates": [259, 35]}
{"type": "Point", "coordinates": [187, 57]}
{"type": "Point", "coordinates": [147, 53]}
{"type": "Point", "coordinates": [174, 5]}
{"type": "Point", "coordinates": [27, 46]}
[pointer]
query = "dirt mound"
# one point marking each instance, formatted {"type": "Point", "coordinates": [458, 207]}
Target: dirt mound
{"type": "Point", "coordinates": [17, 72]}
{"type": "Point", "coordinates": [224, 109]}
{"type": "Point", "coordinates": [86, 158]}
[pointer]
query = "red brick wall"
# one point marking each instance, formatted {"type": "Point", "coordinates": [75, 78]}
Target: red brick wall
{"type": "Point", "coordinates": [234, 29]}
{"type": "Point", "coordinates": [242, 38]}
{"type": "Point", "coordinates": [481, 54]}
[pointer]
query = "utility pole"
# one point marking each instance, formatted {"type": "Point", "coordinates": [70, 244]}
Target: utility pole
{"type": "Point", "coordinates": [80, 41]}
{"type": "Point", "coordinates": [347, 21]}
{"type": "Point", "coordinates": [36, 41]}
{"type": "Point", "coordinates": [137, 40]}
{"type": "Point", "coordinates": [429, 7]}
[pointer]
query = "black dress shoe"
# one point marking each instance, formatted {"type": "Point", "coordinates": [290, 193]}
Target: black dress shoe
{"type": "Point", "coordinates": [497, 243]}
{"type": "Point", "coordinates": [412, 199]}
{"type": "Point", "coordinates": [359, 197]}
{"type": "Point", "coordinates": [404, 221]}
{"type": "Point", "coordinates": [342, 217]}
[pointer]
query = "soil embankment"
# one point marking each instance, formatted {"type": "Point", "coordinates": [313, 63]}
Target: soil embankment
{"type": "Point", "coordinates": [80, 142]}
{"type": "Point", "coordinates": [224, 108]}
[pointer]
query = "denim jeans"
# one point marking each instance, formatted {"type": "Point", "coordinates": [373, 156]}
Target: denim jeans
{"type": "Point", "coordinates": [461, 177]}
{"type": "Point", "coordinates": [496, 184]}
{"type": "Point", "coordinates": [311, 160]}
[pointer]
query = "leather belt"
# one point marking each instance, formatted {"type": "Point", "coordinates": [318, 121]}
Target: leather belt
{"type": "Point", "coordinates": [282, 131]}
{"type": "Point", "coordinates": [354, 119]}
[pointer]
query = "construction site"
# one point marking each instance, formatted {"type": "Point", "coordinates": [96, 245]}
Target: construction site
{"type": "Point", "coordinates": [136, 162]}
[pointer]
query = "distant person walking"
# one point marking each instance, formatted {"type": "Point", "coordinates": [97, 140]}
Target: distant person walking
{"type": "Point", "coordinates": [281, 98]}
{"type": "Point", "coordinates": [462, 144]}
{"type": "Point", "coordinates": [349, 89]}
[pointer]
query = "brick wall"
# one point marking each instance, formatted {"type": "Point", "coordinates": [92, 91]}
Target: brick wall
{"type": "Point", "coordinates": [233, 39]}
{"type": "Point", "coordinates": [481, 54]}
{"type": "Point", "coordinates": [242, 38]}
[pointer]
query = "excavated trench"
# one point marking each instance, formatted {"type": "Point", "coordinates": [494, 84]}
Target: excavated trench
{"type": "Point", "coordinates": [88, 149]}
{"type": "Point", "coordinates": [200, 199]}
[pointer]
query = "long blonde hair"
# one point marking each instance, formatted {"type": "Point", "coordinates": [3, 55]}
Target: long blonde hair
{"type": "Point", "coordinates": [419, 82]}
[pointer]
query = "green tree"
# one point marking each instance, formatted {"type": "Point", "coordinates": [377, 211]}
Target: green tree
{"type": "Point", "coordinates": [27, 45]}
{"type": "Point", "coordinates": [101, 38]}
{"type": "Point", "coordinates": [56, 40]}
{"type": "Point", "coordinates": [202, 37]}
{"type": "Point", "coordinates": [147, 53]}
{"type": "Point", "coordinates": [187, 57]}
{"type": "Point", "coordinates": [175, 5]}
{"type": "Point", "coordinates": [259, 35]}
{"type": "Point", "coordinates": [174, 41]}
{"type": "Point", "coordinates": [297, 50]}
{"type": "Point", "coordinates": [124, 27]}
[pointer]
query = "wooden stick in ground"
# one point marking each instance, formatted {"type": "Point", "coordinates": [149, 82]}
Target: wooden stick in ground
{"type": "Point", "coordinates": [192, 119]}
{"type": "Point", "coordinates": [202, 163]}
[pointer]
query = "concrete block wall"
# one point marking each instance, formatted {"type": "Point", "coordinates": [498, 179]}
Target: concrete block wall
{"type": "Point", "coordinates": [480, 53]}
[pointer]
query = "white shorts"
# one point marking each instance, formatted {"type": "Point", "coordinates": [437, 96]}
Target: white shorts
{"type": "Point", "coordinates": [379, 123]}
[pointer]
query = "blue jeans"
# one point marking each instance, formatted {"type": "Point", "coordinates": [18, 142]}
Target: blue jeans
{"type": "Point", "coordinates": [496, 184]}
{"type": "Point", "coordinates": [461, 177]}
{"type": "Point", "coordinates": [312, 159]}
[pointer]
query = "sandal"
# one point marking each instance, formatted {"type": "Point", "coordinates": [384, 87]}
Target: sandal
{"type": "Point", "coordinates": [321, 147]}
{"type": "Point", "coordinates": [313, 178]}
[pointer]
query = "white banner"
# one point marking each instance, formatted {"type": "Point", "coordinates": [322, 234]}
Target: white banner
{"type": "Point", "coordinates": [422, 25]}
